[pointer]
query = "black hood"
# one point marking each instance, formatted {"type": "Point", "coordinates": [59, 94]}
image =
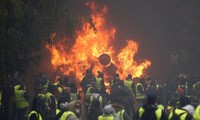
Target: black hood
{"type": "Point", "coordinates": [149, 107]}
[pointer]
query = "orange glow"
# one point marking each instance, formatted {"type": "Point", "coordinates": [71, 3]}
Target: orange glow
{"type": "Point", "coordinates": [94, 39]}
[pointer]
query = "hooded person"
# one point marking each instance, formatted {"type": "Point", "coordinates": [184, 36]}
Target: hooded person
{"type": "Point", "coordinates": [120, 110]}
{"type": "Point", "coordinates": [87, 79]}
{"type": "Point", "coordinates": [108, 113]}
{"type": "Point", "coordinates": [95, 111]}
{"type": "Point", "coordinates": [185, 103]}
{"type": "Point", "coordinates": [182, 111]}
{"type": "Point", "coordinates": [150, 111]}
{"type": "Point", "coordinates": [38, 108]}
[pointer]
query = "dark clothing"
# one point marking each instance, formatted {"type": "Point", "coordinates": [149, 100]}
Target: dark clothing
{"type": "Point", "coordinates": [72, 87]}
{"type": "Point", "coordinates": [88, 79]}
{"type": "Point", "coordinates": [95, 111]}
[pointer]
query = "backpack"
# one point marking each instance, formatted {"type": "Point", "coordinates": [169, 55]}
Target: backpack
{"type": "Point", "coordinates": [175, 116]}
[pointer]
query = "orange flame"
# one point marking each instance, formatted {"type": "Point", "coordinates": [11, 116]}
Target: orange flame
{"type": "Point", "coordinates": [93, 40]}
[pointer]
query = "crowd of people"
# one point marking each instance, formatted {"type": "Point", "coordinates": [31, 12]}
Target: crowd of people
{"type": "Point", "coordinates": [130, 99]}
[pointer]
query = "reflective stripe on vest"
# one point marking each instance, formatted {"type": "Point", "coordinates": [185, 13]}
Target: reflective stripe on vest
{"type": "Point", "coordinates": [196, 113]}
{"type": "Point", "coordinates": [66, 114]}
{"type": "Point", "coordinates": [194, 87]}
{"type": "Point", "coordinates": [106, 117]}
{"type": "Point", "coordinates": [120, 114]}
{"type": "Point", "coordinates": [47, 97]}
{"type": "Point", "coordinates": [20, 101]}
{"type": "Point", "coordinates": [40, 95]}
{"type": "Point", "coordinates": [39, 117]}
{"type": "Point", "coordinates": [60, 89]}
{"type": "Point", "coordinates": [160, 106]}
{"type": "Point", "coordinates": [158, 113]}
{"type": "Point", "coordinates": [0, 98]}
{"type": "Point", "coordinates": [88, 92]}
{"type": "Point", "coordinates": [138, 94]}
{"type": "Point", "coordinates": [178, 112]}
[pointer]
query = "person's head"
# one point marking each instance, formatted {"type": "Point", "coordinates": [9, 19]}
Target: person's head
{"type": "Point", "coordinates": [116, 76]}
{"type": "Point", "coordinates": [108, 109]}
{"type": "Point", "coordinates": [148, 80]}
{"type": "Point", "coordinates": [184, 101]}
{"type": "Point", "coordinates": [66, 79]}
{"type": "Point", "coordinates": [88, 72]}
{"type": "Point", "coordinates": [100, 74]}
{"type": "Point", "coordinates": [52, 88]}
{"type": "Point", "coordinates": [151, 98]}
{"type": "Point", "coordinates": [129, 77]}
{"type": "Point", "coordinates": [63, 102]}
{"type": "Point", "coordinates": [94, 90]}
{"type": "Point", "coordinates": [38, 103]}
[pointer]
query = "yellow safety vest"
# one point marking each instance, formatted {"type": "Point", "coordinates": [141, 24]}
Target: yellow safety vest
{"type": "Point", "coordinates": [100, 99]}
{"type": "Point", "coordinates": [20, 101]}
{"type": "Point", "coordinates": [41, 95]}
{"type": "Point", "coordinates": [88, 92]}
{"type": "Point", "coordinates": [47, 97]}
{"type": "Point", "coordinates": [160, 106]}
{"type": "Point", "coordinates": [158, 113]}
{"type": "Point", "coordinates": [128, 84]}
{"type": "Point", "coordinates": [120, 114]}
{"type": "Point", "coordinates": [66, 114]}
{"type": "Point", "coordinates": [98, 82]}
{"type": "Point", "coordinates": [197, 113]}
{"type": "Point", "coordinates": [106, 117]}
{"type": "Point", "coordinates": [39, 117]}
{"type": "Point", "coordinates": [138, 94]}
{"type": "Point", "coordinates": [178, 112]}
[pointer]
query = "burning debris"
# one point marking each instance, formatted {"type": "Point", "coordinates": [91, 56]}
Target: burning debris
{"type": "Point", "coordinates": [93, 48]}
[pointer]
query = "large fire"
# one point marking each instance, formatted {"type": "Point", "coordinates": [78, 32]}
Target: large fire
{"type": "Point", "coordinates": [94, 41]}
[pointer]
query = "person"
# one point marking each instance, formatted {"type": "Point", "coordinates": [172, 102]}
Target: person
{"type": "Point", "coordinates": [74, 93]}
{"type": "Point", "coordinates": [185, 104]}
{"type": "Point", "coordinates": [196, 115]}
{"type": "Point", "coordinates": [115, 82]}
{"type": "Point", "coordinates": [124, 96]}
{"type": "Point", "coordinates": [95, 111]}
{"type": "Point", "coordinates": [41, 82]}
{"type": "Point", "coordinates": [50, 101]}
{"type": "Point", "coordinates": [21, 102]}
{"type": "Point", "coordinates": [64, 113]}
{"type": "Point", "coordinates": [95, 96]}
{"type": "Point", "coordinates": [38, 108]}
{"type": "Point", "coordinates": [88, 79]}
{"type": "Point", "coordinates": [140, 92]}
{"type": "Point", "coordinates": [129, 83]}
{"type": "Point", "coordinates": [100, 82]}
{"type": "Point", "coordinates": [181, 111]}
{"type": "Point", "coordinates": [120, 110]}
{"type": "Point", "coordinates": [108, 113]}
{"type": "Point", "coordinates": [150, 111]}
{"type": "Point", "coordinates": [196, 89]}
{"type": "Point", "coordinates": [2, 112]}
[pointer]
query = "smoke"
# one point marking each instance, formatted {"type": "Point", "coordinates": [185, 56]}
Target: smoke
{"type": "Point", "coordinates": [159, 27]}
